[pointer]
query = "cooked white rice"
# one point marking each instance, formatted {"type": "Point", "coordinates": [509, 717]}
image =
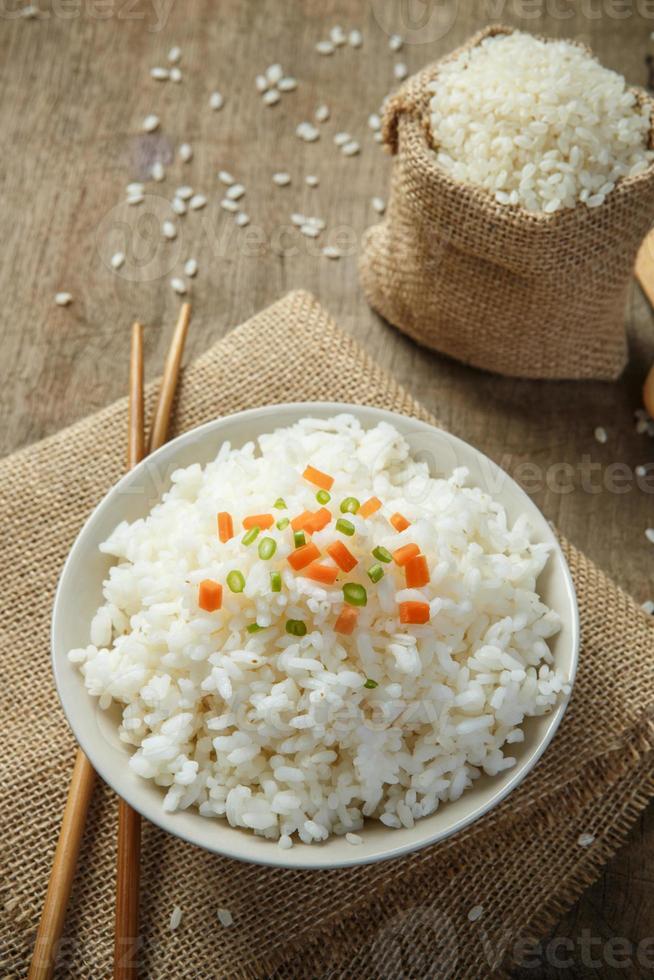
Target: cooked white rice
{"type": "Point", "coordinates": [538, 123]}
{"type": "Point", "coordinates": [303, 737]}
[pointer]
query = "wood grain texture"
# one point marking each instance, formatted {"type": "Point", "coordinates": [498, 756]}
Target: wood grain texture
{"type": "Point", "coordinates": [75, 89]}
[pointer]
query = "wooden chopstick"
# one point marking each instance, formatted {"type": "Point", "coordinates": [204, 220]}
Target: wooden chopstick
{"type": "Point", "coordinates": [159, 429]}
{"type": "Point", "coordinates": [129, 821]}
{"type": "Point", "coordinates": [53, 915]}
{"type": "Point", "coordinates": [126, 938]}
{"type": "Point", "coordinates": [82, 780]}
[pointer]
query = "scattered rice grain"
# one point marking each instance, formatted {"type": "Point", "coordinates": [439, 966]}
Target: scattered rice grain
{"type": "Point", "coordinates": [216, 101]}
{"type": "Point", "coordinates": [174, 55]}
{"type": "Point", "coordinates": [287, 84]}
{"type": "Point", "coordinates": [63, 299]}
{"type": "Point", "coordinates": [178, 285]}
{"type": "Point", "coordinates": [175, 918]}
{"type": "Point", "coordinates": [117, 260]}
{"type": "Point", "coordinates": [185, 152]}
{"type": "Point", "coordinates": [235, 192]}
{"type": "Point", "coordinates": [271, 97]}
{"type": "Point", "coordinates": [242, 219]}
{"type": "Point", "coordinates": [601, 434]}
{"type": "Point", "coordinates": [197, 201]}
{"type": "Point", "coordinates": [350, 149]}
{"type": "Point", "coordinates": [169, 230]}
{"type": "Point", "coordinates": [282, 179]}
{"type": "Point", "coordinates": [190, 268]}
{"type": "Point", "coordinates": [160, 74]}
{"type": "Point", "coordinates": [150, 123]}
{"type": "Point", "coordinates": [225, 917]}
{"type": "Point", "coordinates": [322, 113]}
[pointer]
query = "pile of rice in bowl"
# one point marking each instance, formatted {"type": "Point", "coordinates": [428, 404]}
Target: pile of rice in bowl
{"type": "Point", "coordinates": [313, 631]}
{"type": "Point", "coordinates": [538, 123]}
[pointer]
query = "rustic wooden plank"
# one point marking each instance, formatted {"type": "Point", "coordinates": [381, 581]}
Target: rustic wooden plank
{"type": "Point", "coordinates": [76, 87]}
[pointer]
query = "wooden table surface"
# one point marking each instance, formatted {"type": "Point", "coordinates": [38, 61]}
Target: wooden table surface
{"type": "Point", "coordinates": [75, 89]}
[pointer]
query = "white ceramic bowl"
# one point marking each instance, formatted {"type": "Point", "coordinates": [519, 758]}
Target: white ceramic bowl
{"type": "Point", "coordinates": [79, 594]}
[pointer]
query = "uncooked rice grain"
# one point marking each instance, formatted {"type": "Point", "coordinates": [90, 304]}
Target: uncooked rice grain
{"type": "Point", "coordinates": [540, 124]}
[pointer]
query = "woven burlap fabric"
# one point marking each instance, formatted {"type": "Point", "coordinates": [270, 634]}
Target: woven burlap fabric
{"type": "Point", "coordinates": [528, 295]}
{"type": "Point", "coordinates": [522, 862]}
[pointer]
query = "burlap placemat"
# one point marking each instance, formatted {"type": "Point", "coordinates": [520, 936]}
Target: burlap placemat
{"type": "Point", "coordinates": [522, 863]}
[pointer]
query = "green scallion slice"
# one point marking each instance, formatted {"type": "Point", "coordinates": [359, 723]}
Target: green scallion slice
{"type": "Point", "coordinates": [280, 503]}
{"type": "Point", "coordinates": [323, 497]}
{"type": "Point", "coordinates": [355, 594]}
{"type": "Point", "coordinates": [282, 523]}
{"type": "Point", "coordinates": [375, 572]}
{"type": "Point", "coordinates": [296, 627]}
{"type": "Point", "coordinates": [345, 527]}
{"type": "Point", "coordinates": [254, 628]}
{"type": "Point", "coordinates": [299, 538]}
{"type": "Point", "coordinates": [236, 581]}
{"type": "Point", "coordinates": [267, 548]}
{"type": "Point", "coordinates": [381, 554]}
{"type": "Point", "coordinates": [350, 505]}
{"type": "Point", "coordinates": [275, 582]}
{"type": "Point", "coordinates": [370, 684]}
{"type": "Point", "coordinates": [250, 536]}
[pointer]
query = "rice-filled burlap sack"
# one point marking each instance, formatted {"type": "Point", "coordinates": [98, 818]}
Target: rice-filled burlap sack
{"type": "Point", "coordinates": [521, 293]}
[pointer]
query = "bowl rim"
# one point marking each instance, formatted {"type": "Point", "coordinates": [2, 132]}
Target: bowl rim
{"type": "Point", "coordinates": [274, 856]}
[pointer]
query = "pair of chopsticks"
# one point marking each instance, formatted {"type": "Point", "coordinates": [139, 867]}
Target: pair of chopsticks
{"type": "Point", "coordinates": [83, 777]}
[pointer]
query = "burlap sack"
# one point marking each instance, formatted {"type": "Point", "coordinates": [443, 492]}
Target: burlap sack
{"type": "Point", "coordinates": [529, 295]}
{"type": "Point", "coordinates": [523, 863]}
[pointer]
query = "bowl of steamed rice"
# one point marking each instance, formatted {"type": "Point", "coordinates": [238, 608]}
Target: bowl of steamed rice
{"type": "Point", "coordinates": [315, 635]}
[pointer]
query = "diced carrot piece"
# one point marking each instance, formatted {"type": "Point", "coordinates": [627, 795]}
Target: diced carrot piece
{"type": "Point", "coordinates": [414, 612]}
{"type": "Point", "coordinates": [369, 507]}
{"type": "Point", "coordinates": [210, 595]}
{"type": "Point", "coordinates": [322, 480]}
{"type": "Point", "coordinates": [303, 556]}
{"type": "Point", "coordinates": [318, 520]}
{"type": "Point", "coordinates": [263, 521]}
{"type": "Point", "coordinates": [346, 621]}
{"type": "Point", "coordinates": [299, 523]}
{"type": "Point", "coordinates": [325, 574]}
{"type": "Point", "coordinates": [225, 526]}
{"type": "Point", "coordinates": [342, 556]}
{"type": "Point", "coordinates": [404, 554]}
{"type": "Point", "coordinates": [399, 522]}
{"type": "Point", "coordinates": [416, 571]}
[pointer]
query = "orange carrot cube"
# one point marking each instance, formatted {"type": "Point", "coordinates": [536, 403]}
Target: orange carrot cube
{"type": "Point", "coordinates": [210, 595]}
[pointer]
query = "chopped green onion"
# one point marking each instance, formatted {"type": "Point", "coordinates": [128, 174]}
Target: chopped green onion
{"type": "Point", "coordinates": [299, 538]}
{"type": "Point", "coordinates": [267, 548]}
{"type": "Point", "coordinates": [375, 572]}
{"type": "Point", "coordinates": [275, 582]}
{"type": "Point", "coordinates": [250, 535]}
{"type": "Point", "coordinates": [370, 684]}
{"type": "Point", "coordinates": [255, 628]}
{"type": "Point", "coordinates": [350, 505]}
{"type": "Point", "coordinates": [236, 581]}
{"type": "Point", "coordinates": [282, 523]}
{"type": "Point", "coordinates": [355, 594]}
{"type": "Point", "coordinates": [345, 527]}
{"type": "Point", "coordinates": [296, 627]}
{"type": "Point", "coordinates": [280, 503]}
{"type": "Point", "coordinates": [323, 497]}
{"type": "Point", "coordinates": [381, 554]}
